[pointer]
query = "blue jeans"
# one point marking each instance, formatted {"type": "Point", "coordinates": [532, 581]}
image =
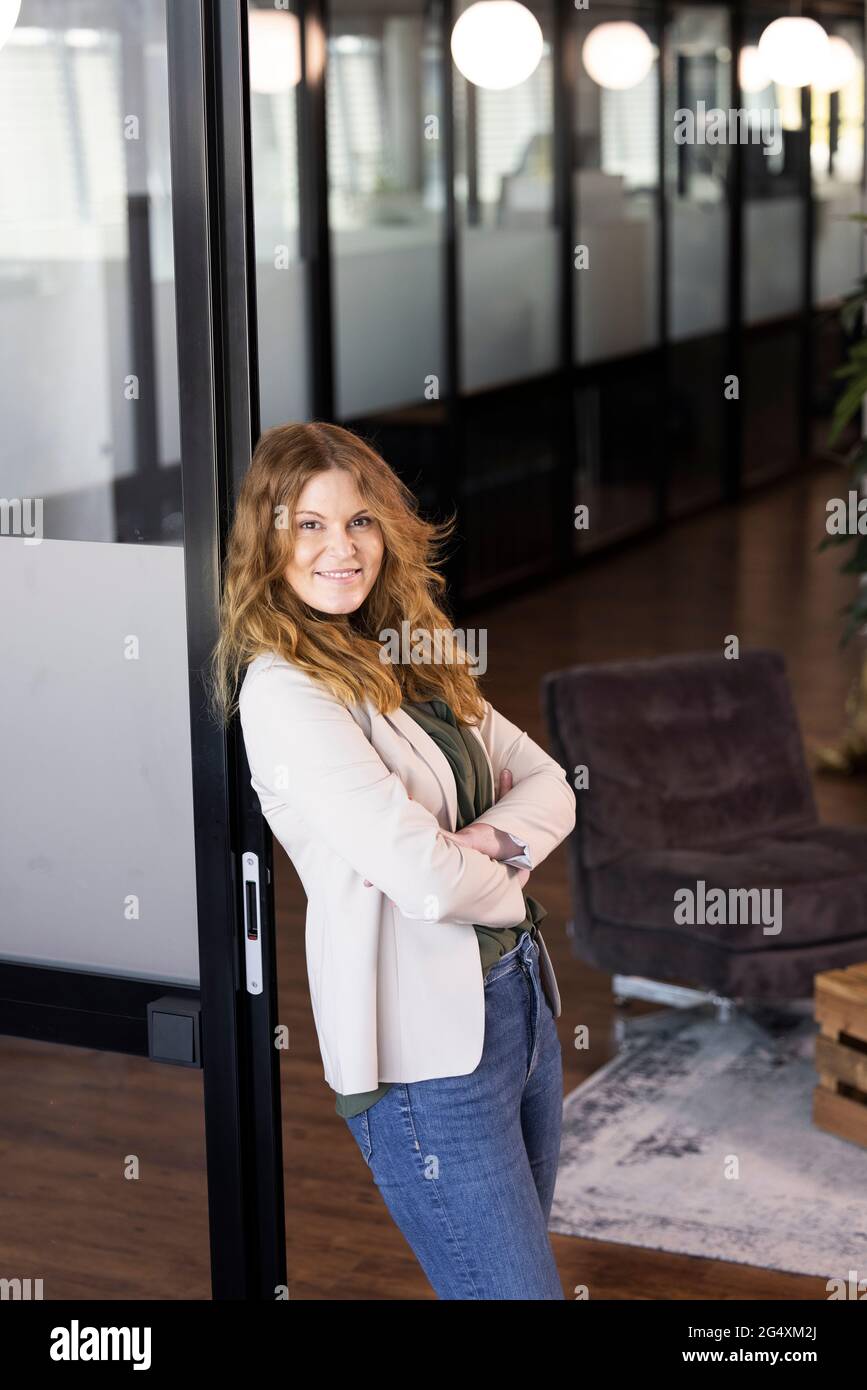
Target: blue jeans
{"type": "Point", "coordinates": [467, 1164]}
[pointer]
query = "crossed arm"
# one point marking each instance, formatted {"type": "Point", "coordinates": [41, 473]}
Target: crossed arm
{"type": "Point", "coordinates": [305, 748]}
{"type": "Point", "coordinates": [496, 844]}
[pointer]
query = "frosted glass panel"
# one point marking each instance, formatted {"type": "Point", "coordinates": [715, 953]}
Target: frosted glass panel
{"type": "Point", "coordinates": [281, 268]}
{"type": "Point", "coordinates": [508, 260]}
{"type": "Point", "coordinates": [615, 181]}
{"type": "Point", "coordinates": [97, 843]}
{"type": "Point", "coordinates": [88, 368]}
{"type": "Point", "coordinates": [386, 201]}
{"type": "Point", "coordinates": [97, 847]}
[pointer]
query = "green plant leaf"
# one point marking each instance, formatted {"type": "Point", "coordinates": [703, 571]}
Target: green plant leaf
{"type": "Point", "coordinates": [852, 312]}
{"type": "Point", "coordinates": [847, 406]}
{"type": "Point", "coordinates": [857, 563]}
{"type": "Point", "coordinates": [858, 465]}
{"type": "Point", "coordinates": [827, 542]}
{"type": "Point", "coordinates": [856, 613]}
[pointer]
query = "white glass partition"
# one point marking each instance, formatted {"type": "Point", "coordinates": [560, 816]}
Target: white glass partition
{"type": "Point", "coordinates": [97, 846]}
{"type": "Point", "coordinates": [386, 206]}
{"type": "Point", "coordinates": [97, 832]}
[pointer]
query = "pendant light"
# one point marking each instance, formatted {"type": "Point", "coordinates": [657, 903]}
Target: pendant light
{"type": "Point", "coordinates": [497, 44]}
{"type": "Point", "coordinates": [275, 51]}
{"type": "Point", "coordinates": [792, 50]}
{"type": "Point", "coordinates": [617, 54]}
{"type": "Point", "coordinates": [752, 73]}
{"type": "Point", "coordinates": [838, 66]}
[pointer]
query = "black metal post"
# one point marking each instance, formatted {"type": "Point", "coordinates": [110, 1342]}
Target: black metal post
{"type": "Point", "coordinates": [451, 462]}
{"type": "Point", "coordinates": [143, 359]}
{"type": "Point", "coordinates": [471, 136]}
{"type": "Point", "coordinates": [733, 459]}
{"type": "Point", "coordinates": [209, 133]}
{"type": "Point", "coordinates": [261, 1101]}
{"type": "Point", "coordinates": [313, 200]}
{"type": "Point", "coordinates": [662, 466]}
{"type": "Point", "coordinates": [806, 353]}
{"type": "Point", "coordinates": [563, 55]}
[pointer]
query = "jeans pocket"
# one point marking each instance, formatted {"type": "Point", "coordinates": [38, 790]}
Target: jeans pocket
{"type": "Point", "coordinates": [360, 1129]}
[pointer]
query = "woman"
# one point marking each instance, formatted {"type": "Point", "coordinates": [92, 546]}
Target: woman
{"type": "Point", "coordinates": [432, 991]}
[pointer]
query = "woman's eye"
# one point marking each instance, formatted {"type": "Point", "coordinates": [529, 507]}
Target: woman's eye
{"type": "Point", "coordinates": [364, 520]}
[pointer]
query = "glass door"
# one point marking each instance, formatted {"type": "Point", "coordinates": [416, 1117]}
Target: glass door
{"type": "Point", "coordinates": [123, 1170]}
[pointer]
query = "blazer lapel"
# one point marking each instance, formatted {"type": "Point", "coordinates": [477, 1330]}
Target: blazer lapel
{"type": "Point", "coordinates": [427, 748]}
{"type": "Point", "coordinates": [474, 729]}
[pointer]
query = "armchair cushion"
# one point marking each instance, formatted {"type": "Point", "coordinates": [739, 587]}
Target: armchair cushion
{"type": "Point", "coordinates": [821, 872]}
{"type": "Point", "coordinates": [683, 753]}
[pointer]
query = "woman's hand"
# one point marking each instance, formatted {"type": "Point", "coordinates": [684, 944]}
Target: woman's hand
{"type": "Point", "coordinates": [485, 838]}
{"type": "Point", "coordinates": [496, 844]}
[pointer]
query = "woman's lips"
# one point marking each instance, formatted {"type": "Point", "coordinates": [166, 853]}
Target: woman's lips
{"type": "Point", "coordinates": [338, 578]}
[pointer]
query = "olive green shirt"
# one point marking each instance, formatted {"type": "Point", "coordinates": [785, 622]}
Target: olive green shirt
{"type": "Point", "coordinates": [475, 796]}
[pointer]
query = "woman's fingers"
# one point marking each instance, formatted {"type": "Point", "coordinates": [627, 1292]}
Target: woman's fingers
{"type": "Point", "coordinates": [505, 783]}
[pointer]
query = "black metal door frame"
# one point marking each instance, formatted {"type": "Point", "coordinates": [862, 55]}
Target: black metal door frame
{"type": "Point", "coordinates": [215, 274]}
{"type": "Point", "coordinates": [218, 397]}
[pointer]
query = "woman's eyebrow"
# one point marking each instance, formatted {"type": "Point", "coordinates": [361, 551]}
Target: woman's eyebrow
{"type": "Point", "coordinates": [305, 511]}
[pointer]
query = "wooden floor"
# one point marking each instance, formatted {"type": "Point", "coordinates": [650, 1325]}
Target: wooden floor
{"type": "Point", "coordinates": [71, 1118]}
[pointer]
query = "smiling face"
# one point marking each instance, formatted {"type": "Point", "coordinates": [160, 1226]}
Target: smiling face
{"type": "Point", "coordinates": [338, 544]}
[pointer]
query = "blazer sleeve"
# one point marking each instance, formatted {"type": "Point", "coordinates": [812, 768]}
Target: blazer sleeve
{"type": "Point", "coordinates": [306, 749]}
{"type": "Point", "coordinates": [522, 860]}
{"type": "Point", "coordinates": [540, 808]}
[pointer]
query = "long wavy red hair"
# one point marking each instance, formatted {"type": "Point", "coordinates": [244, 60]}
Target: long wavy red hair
{"type": "Point", "coordinates": [261, 612]}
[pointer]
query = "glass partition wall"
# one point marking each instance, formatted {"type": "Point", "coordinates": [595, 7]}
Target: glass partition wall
{"type": "Point", "coordinates": [617, 337]}
{"type": "Point", "coordinates": [508, 284]}
{"type": "Point", "coordinates": [775, 241]}
{"type": "Point", "coordinates": [386, 200]}
{"type": "Point", "coordinates": [540, 297]}
{"type": "Point", "coordinates": [282, 257]}
{"type": "Point", "coordinates": [698, 177]}
{"type": "Point", "coordinates": [136, 1019]}
{"type": "Point", "coordinates": [98, 845]}
{"type": "Point", "coordinates": [838, 259]}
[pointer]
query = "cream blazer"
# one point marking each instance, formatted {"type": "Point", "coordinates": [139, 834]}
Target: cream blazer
{"type": "Point", "coordinates": [394, 970]}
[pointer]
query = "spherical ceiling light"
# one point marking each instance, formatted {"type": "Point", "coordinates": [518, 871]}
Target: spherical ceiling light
{"type": "Point", "coordinates": [617, 54]}
{"type": "Point", "coordinates": [792, 49]}
{"type": "Point", "coordinates": [838, 66]}
{"type": "Point", "coordinates": [752, 71]}
{"type": "Point", "coordinates": [275, 51]}
{"type": "Point", "coordinates": [497, 44]}
{"type": "Point", "coordinates": [9, 11]}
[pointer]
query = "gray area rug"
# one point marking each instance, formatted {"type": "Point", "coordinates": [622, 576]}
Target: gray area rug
{"type": "Point", "coordinates": [648, 1139]}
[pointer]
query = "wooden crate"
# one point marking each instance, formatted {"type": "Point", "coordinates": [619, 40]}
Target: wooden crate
{"type": "Point", "coordinates": [840, 1099]}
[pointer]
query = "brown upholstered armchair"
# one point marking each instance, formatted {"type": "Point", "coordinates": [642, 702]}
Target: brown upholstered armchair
{"type": "Point", "coordinates": [696, 781]}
